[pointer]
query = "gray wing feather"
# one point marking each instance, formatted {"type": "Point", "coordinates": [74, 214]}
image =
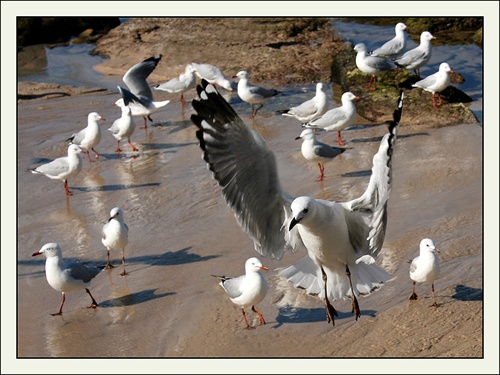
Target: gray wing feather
{"type": "Point", "coordinates": [135, 78]}
{"type": "Point", "coordinates": [265, 93]}
{"type": "Point", "coordinates": [331, 117]}
{"type": "Point", "coordinates": [233, 286]}
{"type": "Point", "coordinates": [80, 272]}
{"type": "Point", "coordinates": [327, 151]}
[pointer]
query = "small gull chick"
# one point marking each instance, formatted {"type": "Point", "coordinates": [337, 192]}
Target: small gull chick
{"type": "Point", "coordinates": [435, 83]}
{"type": "Point", "coordinates": [115, 235]}
{"type": "Point", "coordinates": [252, 94]}
{"type": "Point", "coordinates": [425, 267]}
{"type": "Point", "coordinates": [139, 94]}
{"type": "Point", "coordinates": [418, 56]}
{"type": "Point", "coordinates": [393, 47]}
{"type": "Point", "coordinates": [337, 118]}
{"type": "Point", "coordinates": [186, 81]}
{"type": "Point", "coordinates": [89, 137]}
{"type": "Point", "coordinates": [316, 151]}
{"type": "Point", "coordinates": [62, 168]}
{"type": "Point", "coordinates": [311, 109]}
{"type": "Point", "coordinates": [247, 290]}
{"type": "Point", "coordinates": [65, 276]}
{"type": "Point", "coordinates": [372, 65]}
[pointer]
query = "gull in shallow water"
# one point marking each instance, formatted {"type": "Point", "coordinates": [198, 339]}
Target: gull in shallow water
{"type": "Point", "coordinates": [124, 127]}
{"type": "Point", "coordinates": [62, 168]}
{"type": "Point", "coordinates": [372, 65]}
{"type": "Point", "coordinates": [316, 151]}
{"type": "Point", "coordinates": [425, 267]}
{"type": "Point", "coordinates": [342, 239]}
{"type": "Point", "coordinates": [139, 94]}
{"type": "Point", "coordinates": [66, 276]}
{"type": "Point", "coordinates": [393, 47]}
{"type": "Point", "coordinates": [252, 94]}
{"type": "Point", "coordinates": [115, 235]}
{"type": "Point", "coordinates": [89, 137]}
{"type": "Point", "coordinates": [337, 118]}
{"type": "Point", "coordinates": [311, 109]}
{"type": "Point", "coordinates": [435, 83]}
{"type": "Point", "coordinates": [186, 81]}
{"type": "Point", "coordinates": [247, 290]}
{"type": "Point", "coordinates": [418, 56]}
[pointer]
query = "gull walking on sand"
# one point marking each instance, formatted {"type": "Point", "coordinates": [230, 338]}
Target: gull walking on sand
{"type": "Point", "coordinates": [89, 137]}
{"type": "Point", "coordinates": [139, 94]}
{"type": "Point", "coordinates": [115, 235]}
{"type": "Point", "coordinates": [247, 290]}
{"type": "Point", "coordinates": [212, 74]}
{"type": "Point", "coordinates": [337, 118]}
{"type": "Point", "coordinates": [63, 168]}
{"type": "Point", "coordinates": [251, 94]}
{"type": "Point", "coordinates": [435, 83]}
{"type": "Point", "coordinates": [425, 267]}
{"type": "Point", "coordinates": [418, 56]}
{"type": "Point", "coordinates": [316, 151]}
{"type": "Point", "coordinates": [372, 65]}
{"type": "Point", "coordinates": [65, 276]}
{"type": "Point", "coordinates": [123, 127]}
{"type": "Point", "coordinates": [393, 47]}
{"type": "Point", "coordinates": [343, 239]}
{"type": "Point", "coordinates": [310, 110]}
{"type": "Point", "coordinates": [186, 81]}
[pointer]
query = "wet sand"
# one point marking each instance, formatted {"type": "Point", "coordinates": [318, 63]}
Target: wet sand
{"type": "Point", "coordinates": [181, 232]}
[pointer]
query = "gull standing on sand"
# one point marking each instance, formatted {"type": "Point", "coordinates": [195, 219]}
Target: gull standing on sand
{"type": "Point", "coordinates": [139, 95]}
{"type": "Point", "coordinates": [115, 236]}
{"type": "Point", "coordinates": [372, 65]}
{"type": "Point", "coordinates": [66, 276]}
{"type": "Point", "coordinates": [253, 95]}
{"type": "Point", "coordinates": [186, 81]}
{"type": "Point", "coordinates": [418, 56]}
{"type": "Point", "coordinates": [247, 290]}
{"type": "Point", "coordinates": [63, 168]}
{"type": "Point", "coordinates": [89, 137]}
{"type": "Point", "coordinates": [316, 151]}
{"type": "Point", "coordinates": [212, 74]}
{"type": "Point", "coordinates": [425, 267]}
{"type": "Point", "coordinates": [311, 109]}
{"type": "Point", "coordinates": [342, 239]}
{"type": "Point", "coordinates": [337, 118]}
{"type": "Point", "coordinates": [435, 83]}
{"type": "Point", "coordinates": [123, 127]}
{"type": "Point", "coordinates": [393, 47]}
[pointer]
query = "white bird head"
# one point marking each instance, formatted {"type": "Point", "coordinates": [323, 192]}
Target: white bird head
{"type": "Point", "coordinates": [254, 265]}
{"type": "Point", "coordinates": [94, 116]}
{"type": "Point", "coordinates": [400, 26]}
{"type": "Point", "coordinates": [348, 97]}
{"type": "Point", "coordinates": [307, 134]}
{"type": "Point", "coordinates": [120, 103]}
{"type": "Point", "coordinates": [427, 245]}
{"type": "Point", "coordinates": [74, 149]}
{"type": "Point", "coordinates": [360, 47]}
{"type": "Point", "coordinates": [243, 74]}
{"type": "Point", "coordinates": [319, 86]}
{"type": "Point", "coordinates": [302, 208]}
{"type": "Point", "coordinates": [116, 213]}
{"type": "Point", "coordinates": [51, 249]}
{"type": "Point", "coordinates": [426, 36]}
{"type": "Point", "coordinates": [444, 67]}
{"type": "Point", "coordinates": [189, 69]}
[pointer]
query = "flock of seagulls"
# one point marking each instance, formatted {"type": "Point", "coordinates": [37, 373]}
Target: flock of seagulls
{"type": "Point", "coordinates": [342, 239]}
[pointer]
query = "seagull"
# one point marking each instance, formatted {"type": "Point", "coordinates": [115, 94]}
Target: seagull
{"type": "Point", "coordinates": [247, 290]}
{"type": "Point", "coordinates": [316, 151]}
{"type": "Point", "coordinates": [425, 267]}
{"type": "Point", "coordinates": [418, 56]}
{"type": "Point", "coordinates": [124, 126]}
{"type": "Point", "coordinates": [393, 47]}
{"type": "Point", "coordinates": [89, 137]}
{"type": "Point", "coordinates": [66, 276]}
{"type": "Point", "coordinates": [212, 74]}
{"type": "Point", "coordinates": [115, 236]}
{"type": "Point", "coordinates": [253, 95]}
{"type": "Point", "coordinates": [337, 118]}
{"type": "Point", "coordinates": [342, 239]}
{"type": "Point", "coordinates": [186, 81]}
{"type": "Point", "coordinates": [63, 168]}
{"type": "Point", "coordinates": [311, 109]}
{"type": "Point", "coordinates": [372, 65]}
{"type": "Point", "coordinates": [436, 83]}
{"type": "Point", "coordinates": [139, 95]}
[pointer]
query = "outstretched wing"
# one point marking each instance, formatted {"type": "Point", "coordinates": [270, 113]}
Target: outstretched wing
{"type": "Point", "coordinates": [246, 170]}
{"type": "Point", "coordinates": [136, 76]}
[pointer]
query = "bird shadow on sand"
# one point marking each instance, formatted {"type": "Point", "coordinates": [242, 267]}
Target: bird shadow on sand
{"type": "Point", "coordinates": [134, 298]}
{"type": "Point", "coordinates": [113, 187]}
{"type": "Point", "coordinates": [378, 139]}
{"type": "Point", "coordinates": [465, 293]}
{"type": "Point", "coordinates": [290, 314]}
{"type": "Point", "coordinates": [170, 258]}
